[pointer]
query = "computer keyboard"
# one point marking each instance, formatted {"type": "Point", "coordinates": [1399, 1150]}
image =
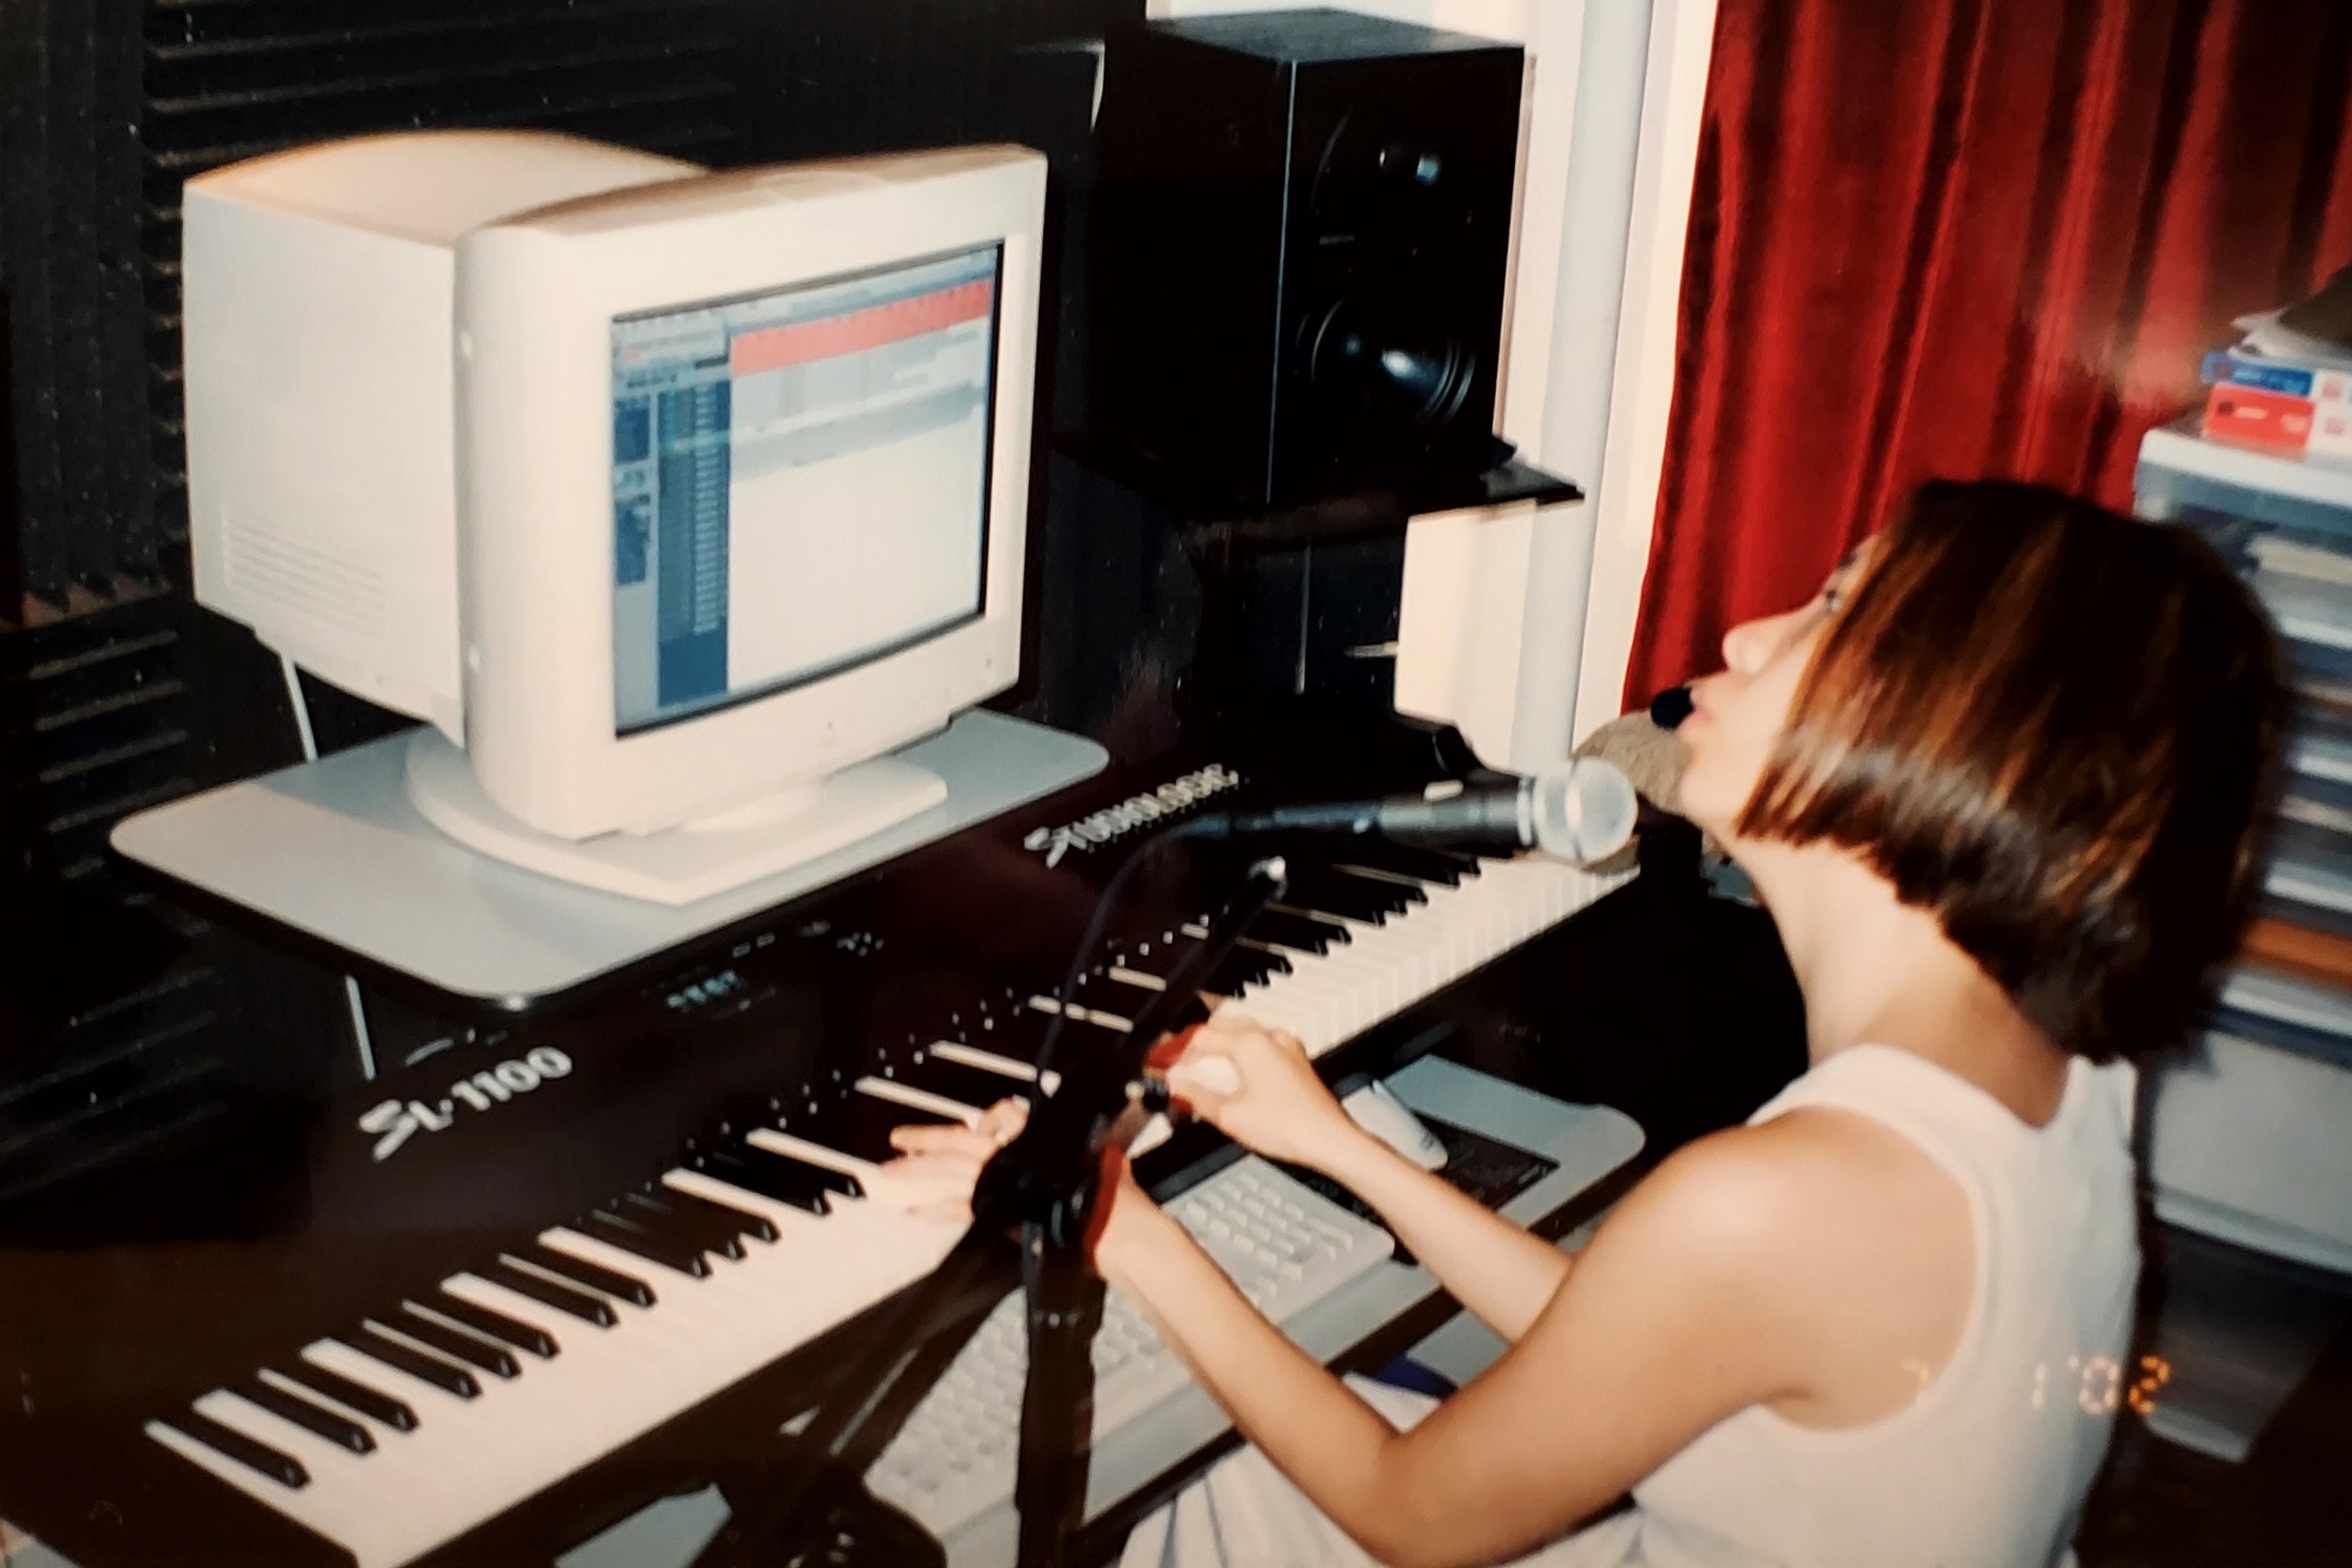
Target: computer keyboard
{"type": "Point", "coordinates": [1286, 1247]}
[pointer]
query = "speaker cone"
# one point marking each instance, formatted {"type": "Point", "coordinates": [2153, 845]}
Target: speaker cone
{"type": "Point", "coordinates": [1387, 368]}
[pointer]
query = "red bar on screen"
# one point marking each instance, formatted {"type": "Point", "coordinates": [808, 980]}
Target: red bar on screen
{"type": "Point", "coordinates": [773, 348]}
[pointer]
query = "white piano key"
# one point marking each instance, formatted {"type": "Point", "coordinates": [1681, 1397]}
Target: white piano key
{"type": "Point", "coordinates": [419, 1395]}
{"type": "Point", "coordinates": [886, 1188]}
{"type": "Point", "coordinates": [427, 1310]}
{"type": "Point", "coordinates": [316, 1454]}
{"type": "Point", "coordinates": [470, 1460]}
{"type": "Point", "coordinates": [389, 1326]}
{"type": "Point", "coordinates": [1330, 998]}
{"type": "Point", "coordinates": [659, 1277]}
{"type": "Point", "coordinates": [553, 1321]}
{"type": "Point", "coordinates": [915, 1099]}
{"type": "Point", "coordinates": [303, 1391]}
{"type": "Point", "coordinates": [795, 1227]}
{"type": "Point", "coordinates": [993, 1061]}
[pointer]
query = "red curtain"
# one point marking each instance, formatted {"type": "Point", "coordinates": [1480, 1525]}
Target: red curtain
{"type": "Point", "coordinates": [1969, 237]}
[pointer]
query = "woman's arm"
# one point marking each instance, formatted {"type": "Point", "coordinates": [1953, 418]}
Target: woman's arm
{"type": "Point", "coordinates": [1503, 1275]}
{"type": "Point", "coordinates": [1675, 1320]}
{"type": "Point", "coordinates": [1795, 1263]}
{"type": "Point", "coordinates": [1500, 1273]}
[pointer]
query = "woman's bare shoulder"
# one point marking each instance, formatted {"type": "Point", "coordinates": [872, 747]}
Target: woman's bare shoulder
{"type": "Point", "coordinates": [1753, 1184]}
{"type": "Point", "coordinates": [1848, 1248]}
{"type": "Point", "coordinates": [1781, 1172]}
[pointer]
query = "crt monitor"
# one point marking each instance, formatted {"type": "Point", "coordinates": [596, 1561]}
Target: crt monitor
{"type": "Point", "coordinates": [740, 471]}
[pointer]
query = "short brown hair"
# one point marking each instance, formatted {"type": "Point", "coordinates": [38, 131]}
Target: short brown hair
{"type": "Point", "coordinates": [2055, 728]}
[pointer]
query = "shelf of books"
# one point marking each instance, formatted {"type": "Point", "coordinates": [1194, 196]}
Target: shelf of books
{"type": "Point", "coordinates": [2252, 1139]}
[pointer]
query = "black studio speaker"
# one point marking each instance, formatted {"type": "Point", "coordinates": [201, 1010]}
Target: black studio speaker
{"type": "Point", "coordinates": [1302, 221]}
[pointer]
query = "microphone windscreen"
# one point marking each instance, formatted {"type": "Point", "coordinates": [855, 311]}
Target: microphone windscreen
{"type": "Point", "coordinates": [1651, 757]}
{"type": "Point", "coordinates": [1584, 809]}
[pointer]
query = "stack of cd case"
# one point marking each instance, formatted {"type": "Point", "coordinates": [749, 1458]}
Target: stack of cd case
{"type": "Point", "coordinates": [2286, 524]}
{"type": "Point", "coordinates": [2246, 1129]}
{"type": "Point", "coordinates": [2247, 1135]}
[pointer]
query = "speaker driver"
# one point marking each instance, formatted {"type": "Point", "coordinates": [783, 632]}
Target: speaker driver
{"type": "Point", "coordinates": [1383, 178]}
{"type": "Point", "coordinates": [1386, 368]}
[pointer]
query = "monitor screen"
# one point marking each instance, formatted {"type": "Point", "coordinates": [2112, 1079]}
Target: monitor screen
{"type": "Point", "coordinates": [800, 481]}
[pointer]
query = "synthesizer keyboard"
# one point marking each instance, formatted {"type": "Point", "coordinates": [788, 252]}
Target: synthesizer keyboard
{"type": "Point", "coordinates": [544, 1271]}
{"type": "Point", "coordinates": [417, 1425]}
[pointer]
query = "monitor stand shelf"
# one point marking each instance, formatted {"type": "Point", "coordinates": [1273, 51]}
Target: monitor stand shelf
{"type": "Point", "coordinates": [682, 865]}
{"type": "Point", "coordinates": [337, 851]}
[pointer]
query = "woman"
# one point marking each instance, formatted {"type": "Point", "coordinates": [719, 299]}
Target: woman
{"type": "Point", "coordinates": [1996, 784]}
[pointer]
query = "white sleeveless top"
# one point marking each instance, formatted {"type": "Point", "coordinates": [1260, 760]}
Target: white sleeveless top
{"type": "Point", "coordinates": [1986, 1469]}
{"type": "Point", "coordinates": [1989, 1465]}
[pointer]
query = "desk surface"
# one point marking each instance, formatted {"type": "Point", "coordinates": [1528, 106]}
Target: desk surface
{"type": "Point", "coordinates": [334, 850]}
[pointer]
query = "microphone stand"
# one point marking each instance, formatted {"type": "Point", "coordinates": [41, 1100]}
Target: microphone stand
{"type": "Point", "coordinates": [1034, 1209]}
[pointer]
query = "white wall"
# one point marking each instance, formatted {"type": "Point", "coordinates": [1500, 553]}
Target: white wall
{"type": "Point", "coordinates": [1517, 620]}
{"type": "Point", "coordinates": [1641, 379]}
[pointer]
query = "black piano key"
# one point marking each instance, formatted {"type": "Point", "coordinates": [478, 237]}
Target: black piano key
{"type": "Point", "coordinates": [1414, 860]}
{"type": "Point", "coordinates": [1193, 1011]}
{"type": "Point", "coordinates": [859, 1125]}
{"type": "Point", "coordinates": [1332, 900]}
{"type": "Point", "coordinates": [424, 1368]}
{"type": "Point", "coordinates": [1299, 933]}
{"type": "Point", "coordinates": [1019, 1033]}
{"type": "Point", "coordinates": [1244, 965]}
{"type": "Point", "coordinates": [1126, 997]}
{"type": "Point", "coordinates": [474, 1353]}
{"type": "Point", "coordinates": [665, 1247]}
{"type": "Point", "coordinates": [963, 1083]}
{"type": "Point", "coordinates": [312, 1418]}
{"type": "Point", "coordinates": [736, 1221]}
{"type": "Point", "coordinates": [497, 1325]}
{"type": "Point", "coordinates": [1323, 891]}
{"type": "Point", "coordinates": [1403, 893]}
{"type": "Point", "coordinates": [1105, 1004]}
{"type": "Point", "coordinates": [825, 1176]}
{"type": "Point", "coordinates": [1160, 961]}
{"type": "Point", "coordinates": [547, 1293]}
{"type": "Point", "coordinates": [371, 1403]}
{"type": "Point", "coordinates": [1081, 1027]}
{"type": "Point", "coordinates": [672, 1222]}
{"type": "Point", "coordinates": [284, 1469]}
{"type": "Point", "coordinates": [1078, 1036]}
{"type": "Point", "coordinates": [595, 1275]}
{"type": "Point", "coordinates": [1330, 909]}
{"type": "Point", "coordinates": [1118, 997]}
{"type": "Point", "coordinates": [1125, 1001]}
{"type": "Point", "coordinates": [779, 1179]}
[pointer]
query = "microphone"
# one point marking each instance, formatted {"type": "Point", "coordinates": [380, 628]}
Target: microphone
{"type": "Point", "coordinates": [1582, 810]}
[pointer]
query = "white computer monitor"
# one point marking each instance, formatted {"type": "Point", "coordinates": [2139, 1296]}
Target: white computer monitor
{"type": "Point", "coordinates": [739, 472]}
{"type": "Point", "coordinates": [317, 288]}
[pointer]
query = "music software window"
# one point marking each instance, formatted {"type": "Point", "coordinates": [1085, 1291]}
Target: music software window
{"type": "Point", "coordinates": [800, 481]}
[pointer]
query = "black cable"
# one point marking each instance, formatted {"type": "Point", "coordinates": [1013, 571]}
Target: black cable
{"type": "Point", "coordinates": [1213, 825]}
